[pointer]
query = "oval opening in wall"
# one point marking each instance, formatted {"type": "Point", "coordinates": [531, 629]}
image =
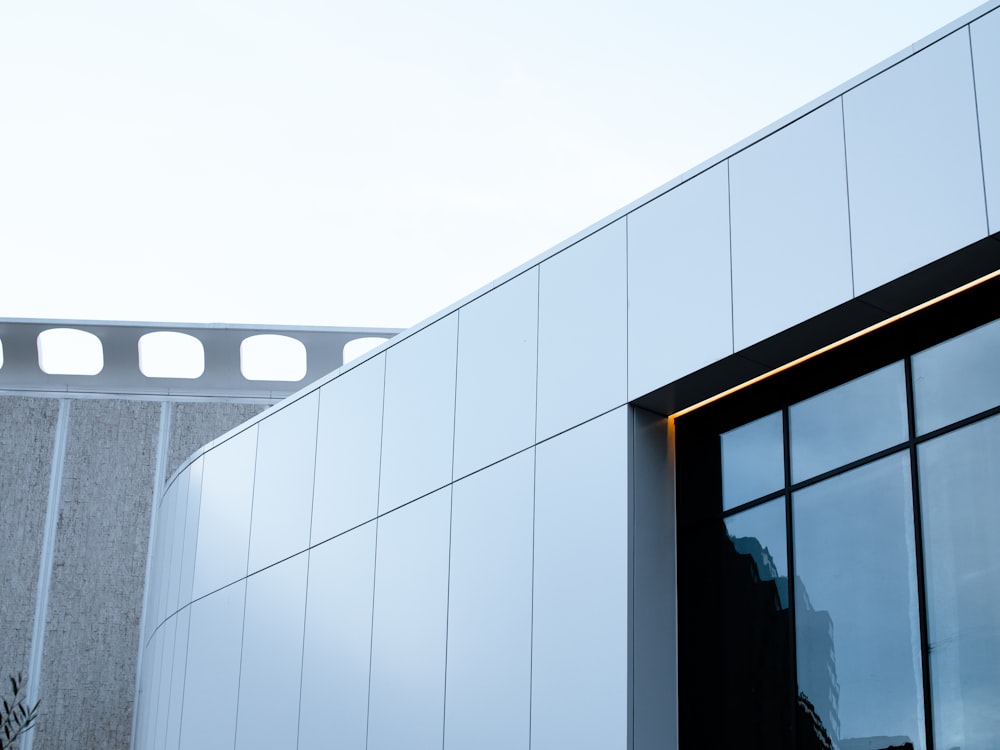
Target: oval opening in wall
{"type": "Point", "coordinates": [170, 354]}
{"type": "Point", "coordinates": [269, 356]}
{"type": "Point", "coordinates": [356, 347]}
{"type": "Point", "coordinates": [69, 351]}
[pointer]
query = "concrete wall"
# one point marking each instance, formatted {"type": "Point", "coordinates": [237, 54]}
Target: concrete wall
{"type": "Point", "coordinates": [27, 435]}
{"type": "Point", "coordinates": [107, 455]}
{"type": "Point", "coordinates": [95, 594]}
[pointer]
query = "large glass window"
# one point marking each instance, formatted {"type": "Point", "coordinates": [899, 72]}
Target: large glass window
{"type": "Point", "coordinates": [839, 560]}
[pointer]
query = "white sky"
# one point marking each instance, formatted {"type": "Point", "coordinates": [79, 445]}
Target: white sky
{"type": "Point", "coordinates": [366, 164]}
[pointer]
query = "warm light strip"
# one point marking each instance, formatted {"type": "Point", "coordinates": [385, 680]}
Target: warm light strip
{"type": "Point", "coordinates": [835, 344]}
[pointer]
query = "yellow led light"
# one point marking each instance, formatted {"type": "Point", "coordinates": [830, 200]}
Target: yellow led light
{"type": "Point", "coordinates": [829, 347]}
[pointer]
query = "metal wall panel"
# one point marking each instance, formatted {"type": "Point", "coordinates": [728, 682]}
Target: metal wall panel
{"type": "Point", "coordinates": [165, 527]}
{"type": "Point", "coordinates": [488, 688]}
{"type": "Point", "coordinates": [406, 705]}
{"type": "Point", "coordinates": [212, 675]}
{"type": "Point", "coordinates": [224, 515]}
{"type": "Point", "coordinates": [582, 324]}
{"type": "Point", "coordinates": [986, 64]}
{"type": "Point", "coordinates": [195, 423]}
{"type": "Point", "coordinates": [791, 232]}
{"type": "Point", "coordinates": [272, 656]}
{"type": "Point", "coordinates": [579, 682]}
{"type": "Point", "coordinates": [283, 483]}
{"type": "Point", "coordinates": [165, 668]}
{"type": "Point", "coordinates": [177, 532]}
{"type": "Point", "coordinates": [654, 586]}
{"type": "Point", "coordinates": [191, 518]}
{"type": "Point", "coordinates": [348, 450]}
{"type": "Point", "coordinates": [679, 301]}
{"type": "Point", "coordinates": [497, 371]}
{"type": "Point", "coordinates": [151, 691]}
{"type": "Point", "coordinates": [913, 163]}
{"type": "Point", "coordinates": [160, 551]}
{"type": "Point", "coordinates": [419, 421]}
{"type": "Point", "coordinates": [173, 733]}
{"type": "Point", "coordinates": [337, 651]}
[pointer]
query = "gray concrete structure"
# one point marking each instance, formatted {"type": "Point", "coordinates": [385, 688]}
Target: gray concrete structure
{"type": "Point", "coordinates": [81, 459]}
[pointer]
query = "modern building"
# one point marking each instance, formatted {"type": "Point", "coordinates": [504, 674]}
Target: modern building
{"type": "Point", "coordinates": [82, 457]}
{"type": "Point", "coordinates": [718, 471]}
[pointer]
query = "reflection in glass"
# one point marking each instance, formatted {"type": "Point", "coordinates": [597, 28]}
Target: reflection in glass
{"type": "Point", "coordinates": [957, 378]}
{"type": "Point", "coordinates": [856, 622]}
{"type": "Point", "coordinates": [849, 422]}
{"type": "Point", "coordinates": [759, 535]}
{"type": "Point", "coordinates": [959, 481]}
{"type": "Point", "coordinates": [752, 461]}
{"type": "Point", "coordinates": [756, 661]}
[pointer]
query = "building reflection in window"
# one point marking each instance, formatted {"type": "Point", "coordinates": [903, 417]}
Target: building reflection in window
{"type": "Point", "coordinates": [856, 617]}
{"type": "Point", "coordinates": [960, 502]}
{"type": "Point", "coordinates": [801, 575]}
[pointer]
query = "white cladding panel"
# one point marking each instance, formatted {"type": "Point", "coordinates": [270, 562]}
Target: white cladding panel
{"type": "Point", "coordinates": [348, 450]}
{"type": "Point", "coordinates": [192, 518]}
{"type": "Point", "coordinates": [212, 676]}
{"type": "Point", "coordinates": [986, 63]}
{"type": "Point", "coordinates": [419, 419]}
{"type": "Point", "coordinates": [497, 372]}
{"type": "Point", "coordinates": [582, 327]}
{"type": "Point", "coordinates": [272, 656]}
{"type": "Point", "coordinates": [337, 651]}
{"type": "Point", "coordinates": [579, 680]}
{"type": "Point", "coordinates": [489, 608]}
{"type": "Point", "coordinates": [165, 660]}
{"type": "Point", "coordinates": [406, 705]}
{"type": "Point", "coordinates": [224, 524]}
{"type": "Point", "coordinates": [179, 656]}
{"type": "Point", "coordinates": [680, 315]}
{"type": "Point", "coordinates": [283, 483]}
{"type": "Point", "coordinates": [178, 528]}
{"type": "Point", "coordinates": [159, 575]}
{"type": "Point", "coordinates": [791, 232]}
{"type": "Point", "coordinates": [914, 172]}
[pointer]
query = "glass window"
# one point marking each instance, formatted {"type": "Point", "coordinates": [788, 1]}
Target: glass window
{"type": "Point", "coordinates": [753, 461]}
{"type": "Point", "coordinates": [759, 534]}
{"type": "Point", "coordinates": [854, 420]}
{"type": "Point", "coordinates": [856, 607]}
{"type": "Point", "coordinates": [960, 504]}
{"type": "Point", "coordinates": [813, 636]}
{"type": "Point", "coordinates": [957, 378]}
{"type": "Point", "coordinates": [756, 661]}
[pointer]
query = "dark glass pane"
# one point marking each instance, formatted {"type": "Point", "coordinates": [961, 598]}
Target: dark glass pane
{"type": "Point", "coordinates": [957, 378]}
{"type": "Point", "coordinates": [849, 422]}
{"type": "Point", "coordinates": [960, 503]}
{"type": "Point", "coordinates": [856, 622]}
{"type": "Point", "coordinates": [759, 534]}
{"type": "Point", "coordinates": [753, 461]}
{"type": "Point", "coordinates": [756, 662]}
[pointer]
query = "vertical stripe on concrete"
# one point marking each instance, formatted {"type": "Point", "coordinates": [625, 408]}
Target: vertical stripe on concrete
{"type": "Point", "coordinates": [159, 479]}
{"type": "Point", "coordinates": [47, 560]}
{"type": "Point", "coordinates": [27, 433]}
{"type": "Point", "coordinates": [95, 593]}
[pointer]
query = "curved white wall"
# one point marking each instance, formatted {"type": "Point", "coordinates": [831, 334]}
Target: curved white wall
{"type": "Point", "coordinates": [435, 546]}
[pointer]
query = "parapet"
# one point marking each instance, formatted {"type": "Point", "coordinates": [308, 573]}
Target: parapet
{"type": "Point", "coordinates": [223, 349]}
